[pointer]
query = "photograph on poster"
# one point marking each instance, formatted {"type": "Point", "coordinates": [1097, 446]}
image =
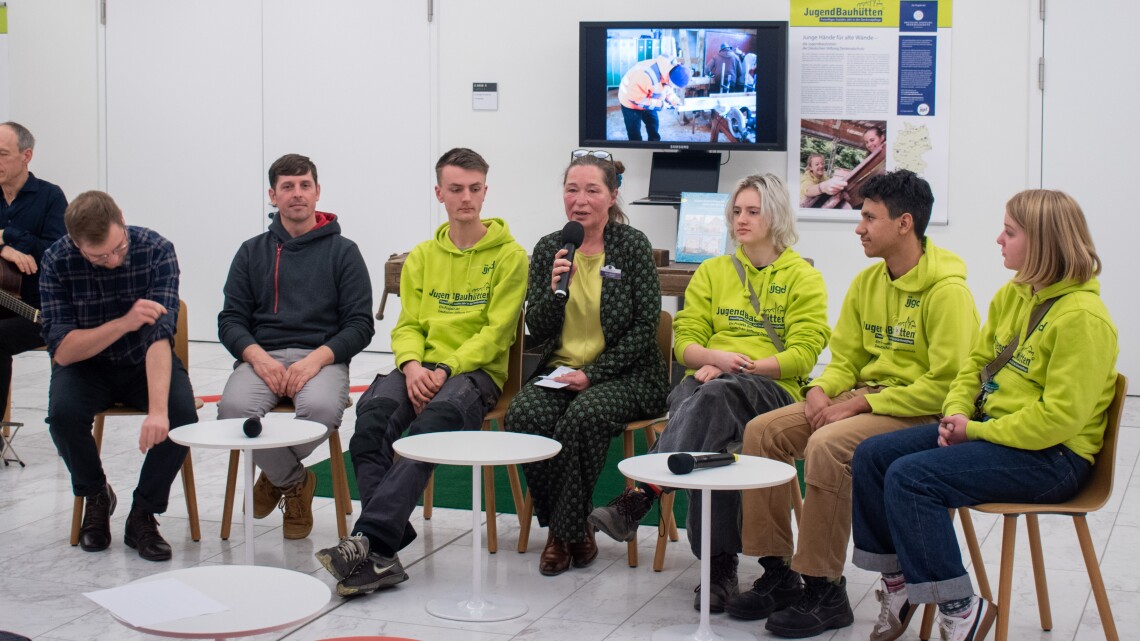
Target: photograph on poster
{"type": "Point", "coordinates": [836, 158]}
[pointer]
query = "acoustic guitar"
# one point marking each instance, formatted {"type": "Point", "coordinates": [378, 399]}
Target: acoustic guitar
{"type": "Point", "coordinates": [10, 303]}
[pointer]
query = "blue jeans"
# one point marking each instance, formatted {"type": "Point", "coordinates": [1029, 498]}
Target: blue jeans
{"type": "Point", "coordinates": [905, 486]}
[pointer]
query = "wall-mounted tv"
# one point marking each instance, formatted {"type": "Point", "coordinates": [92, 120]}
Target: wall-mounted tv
{"type": "Point", "coordinates": [704, 85]}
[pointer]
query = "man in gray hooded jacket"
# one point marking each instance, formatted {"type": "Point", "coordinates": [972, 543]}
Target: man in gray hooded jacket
{"type": "Point", "coordinates": [298, 307]}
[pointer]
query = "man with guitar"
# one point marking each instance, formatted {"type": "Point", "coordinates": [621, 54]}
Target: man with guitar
{"type": "Point", "coordinates": [31, 219]}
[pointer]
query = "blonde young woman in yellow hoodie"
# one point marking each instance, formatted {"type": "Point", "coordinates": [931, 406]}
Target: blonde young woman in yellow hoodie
{"type": "Point", "coordinates": [735, 369]}
{"type": "Point", "coordinates": [1026, 432]}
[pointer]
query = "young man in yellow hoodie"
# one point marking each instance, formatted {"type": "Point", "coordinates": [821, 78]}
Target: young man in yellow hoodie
{"type": "Point", "coordinates": [460, 296]}
{"type": "Point", "coordinates": [906, 325]}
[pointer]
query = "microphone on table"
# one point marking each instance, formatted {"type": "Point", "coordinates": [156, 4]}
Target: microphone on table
{"type": "Point", "coordinates": [683, 463]}
{"type": "Point", "coordinates": [252, 426]}
{"type": "Point", "coordinates": [572, 236]}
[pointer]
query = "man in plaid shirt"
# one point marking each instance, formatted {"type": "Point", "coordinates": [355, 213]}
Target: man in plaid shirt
{"type": "Point", "coordinates": [110, 308]}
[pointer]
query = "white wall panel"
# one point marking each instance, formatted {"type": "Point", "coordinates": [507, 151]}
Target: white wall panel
{"type": "Point", "coordinates": [184, 134]}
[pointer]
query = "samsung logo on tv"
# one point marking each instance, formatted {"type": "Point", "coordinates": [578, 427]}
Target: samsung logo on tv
{"type": "Point", "coordinates": [678, 146]}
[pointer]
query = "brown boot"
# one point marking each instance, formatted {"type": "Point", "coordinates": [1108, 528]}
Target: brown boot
{"type": "Point", "coordinates": [555, 557]}
{"type": "Point", "coordinates": [266, 496]}
{"type": "Point", "coordinates": [297, 504]}
{"type": "Point", "coordinates": [584, 553]}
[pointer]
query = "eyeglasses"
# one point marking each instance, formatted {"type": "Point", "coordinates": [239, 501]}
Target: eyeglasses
{"type": "Point", "coordinates": [596, 153]}
{"type": "Point", "coordinates": [117, 252]}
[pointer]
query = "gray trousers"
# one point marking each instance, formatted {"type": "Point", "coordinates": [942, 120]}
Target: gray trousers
{"type": "Point", "coordinates": [708, 417]}
{"type": "Point", "coordinates": [322, 399]}
{"type": "Point", "coordinates": [389, 489]}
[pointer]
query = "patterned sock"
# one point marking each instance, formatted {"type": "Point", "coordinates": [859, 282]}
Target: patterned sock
{"type": "Point", "coordinates": [958, 608]}
{"type": "Point", "coordinates": [894, 581]}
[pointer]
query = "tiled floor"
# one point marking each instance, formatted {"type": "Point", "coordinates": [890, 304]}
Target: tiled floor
{"type": "Point", "coordinates": [42, 578]}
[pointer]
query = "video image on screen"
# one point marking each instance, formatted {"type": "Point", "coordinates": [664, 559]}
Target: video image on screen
{"type": "Point", "coordinates": [681, 85]}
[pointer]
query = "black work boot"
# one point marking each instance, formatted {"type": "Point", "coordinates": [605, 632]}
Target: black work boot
{"type": "Point", "coordinates": [776, 589]}
{"type": "Point", "coordinates": [95, 533]}
{"type": "Point", "coordinates": [822, 606]}
{"type": "Point", "coordinates": [142, 535]}
{"type": "Point", "coordinates": [723, 583]}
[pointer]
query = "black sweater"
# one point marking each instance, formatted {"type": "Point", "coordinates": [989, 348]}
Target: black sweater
{"type": "Point", "coordinates": [284, 292]}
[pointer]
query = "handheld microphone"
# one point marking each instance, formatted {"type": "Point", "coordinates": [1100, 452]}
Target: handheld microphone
{"type": "Point", "coordinates": [683, 463]}
{"type": "Point", "coordinates": [252, 426]}
{"type": "Point", "coordinates": [572, 236]}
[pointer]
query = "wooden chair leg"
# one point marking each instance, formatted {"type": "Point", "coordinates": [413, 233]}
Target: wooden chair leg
{"type": "Point", "coordinates": [76, 519]}
{"type": "Point", "coordinates": [77, 505]}
{"type": "Point", "coordinates": [429, 494]}
{"type": "Point", "coordinates": [489, 510]}
{"type": "Point", "coordinates": [666, 525]}
{"type": "Point", "coordinates": [339, 483]}
{"type": "Point", "coordinates": [1039, 571]}
{"type": "Point", "coordinates": [516, 490]}
{"type": "Point", "coordinates": [1095, 578]}
{"type": "Point", "coordinates": [927, 621]}
{"type": "Point", "coordinates": [976, 560]}
{"type": "Point", "coordinates": [191, 497]}
{"type": "Point", "coordinates": [1005, 575]}
{"type": "Point", "coordinates": [525, 515]}
{"type": "Point", "coordinates": [339, 474]}
{"type": "Point", "coordinates": [228, 501]}
{"type": "Point", "coordinates": [650, 437]}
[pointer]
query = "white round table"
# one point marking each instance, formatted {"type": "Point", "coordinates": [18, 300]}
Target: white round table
{"type": "Point", "coordinates": [227, 434]}
{"type": "Point", "coordinates": [477, 448]}
{"type": "Point", "coordinates": [259, 600]}
{"type": "Point", "coordinates": [746, 473]}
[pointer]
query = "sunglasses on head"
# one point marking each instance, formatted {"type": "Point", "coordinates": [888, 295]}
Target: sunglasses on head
{"type": "Point", "coordinates": [596, 153]}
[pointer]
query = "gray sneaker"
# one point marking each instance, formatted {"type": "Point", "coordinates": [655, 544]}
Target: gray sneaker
{"type": "Point", "coordinates": [619, 519]}
{"type": "Point", "coordinates": [895, 613]}
{"type": "Point", "coordinates": [343, 558]}
{"type": "Point", "coordinates": [374, 573]}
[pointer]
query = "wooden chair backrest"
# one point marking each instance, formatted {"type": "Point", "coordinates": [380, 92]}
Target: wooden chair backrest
{"type": "Point", "coordinates": [1098, 487]}
{"type": "Point", "coordinates": [515, 360]}
{"type": "Point", "coordinates": [665, 339]}
{"type": "Point", "coordinates": [181, 339]}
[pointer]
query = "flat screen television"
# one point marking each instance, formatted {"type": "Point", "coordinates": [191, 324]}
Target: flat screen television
{"type": "Point", "coordinates": [704, 85]}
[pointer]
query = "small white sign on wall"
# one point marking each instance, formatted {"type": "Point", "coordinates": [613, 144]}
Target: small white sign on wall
{"type": "Point", "coordinates": [485, 96]}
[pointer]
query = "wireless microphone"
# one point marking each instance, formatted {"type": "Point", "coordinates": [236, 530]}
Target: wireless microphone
{"type": "Point", "coordinates": [683, 463]}
{"type": "Point", "coordinates": [572, 236]}
{"type": "Point", "coordinates": [252, 426]}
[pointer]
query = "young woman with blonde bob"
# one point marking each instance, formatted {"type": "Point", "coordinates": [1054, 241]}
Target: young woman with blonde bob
{"type": "Point", "coordinates": [1022, 431]}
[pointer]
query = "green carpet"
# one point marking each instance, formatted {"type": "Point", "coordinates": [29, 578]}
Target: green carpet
{"type": "Point", "coordinates": [453, 484]}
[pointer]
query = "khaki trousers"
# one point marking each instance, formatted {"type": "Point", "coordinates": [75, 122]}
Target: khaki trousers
{"type": "Point", "coordinates": [825, 524]}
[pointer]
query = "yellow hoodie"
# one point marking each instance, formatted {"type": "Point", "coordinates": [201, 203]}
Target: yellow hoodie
{"type": "Point", "coordinates": [909, 335]}
{"type": "Point", "coordinates": [718, 313]}
{"type": "Point", "coordinates": [461, 307]}
{"type": "Point", "coordinates": [1061, 379]}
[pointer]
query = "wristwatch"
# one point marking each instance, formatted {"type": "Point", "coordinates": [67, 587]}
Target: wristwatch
{"type": "Point", "coordinates": [445, 368]}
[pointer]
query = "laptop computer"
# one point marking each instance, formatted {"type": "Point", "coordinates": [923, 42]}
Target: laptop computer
{"type": "Point", "coordinates": [676, 172]}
